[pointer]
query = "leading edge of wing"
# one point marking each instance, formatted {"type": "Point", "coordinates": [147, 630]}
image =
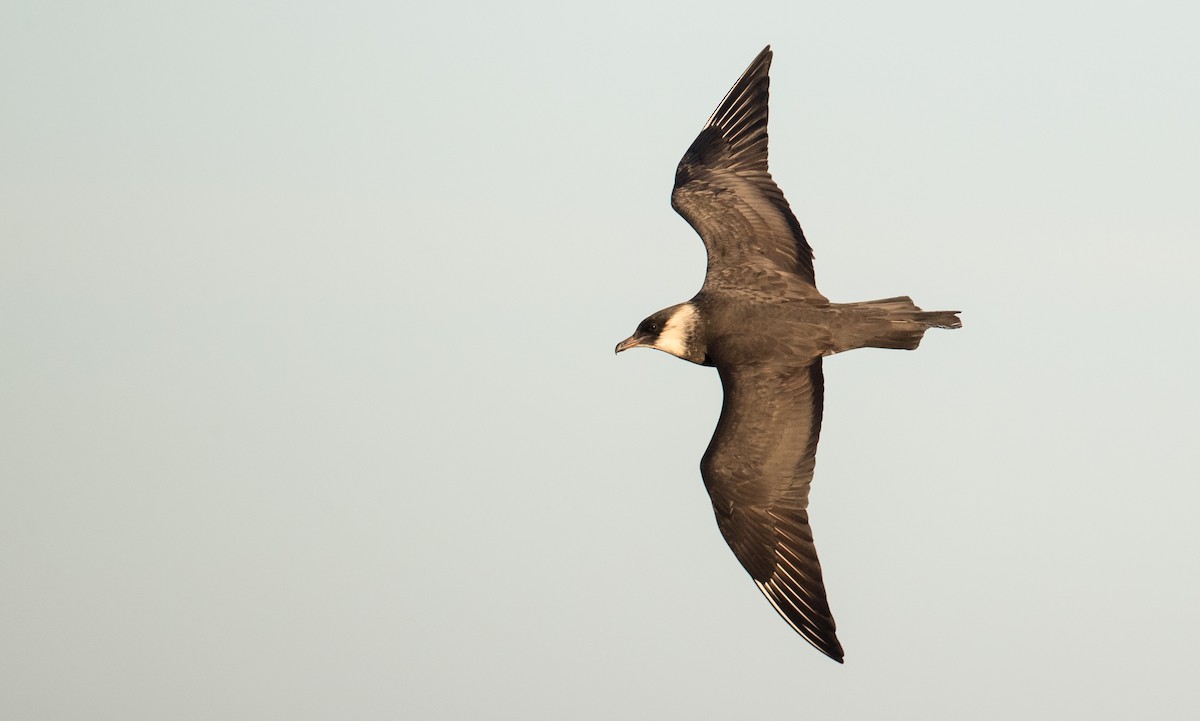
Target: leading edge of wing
{"type": "Point", "coordinates": [725, 192]}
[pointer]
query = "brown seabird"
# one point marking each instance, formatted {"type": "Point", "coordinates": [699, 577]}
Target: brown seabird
{"type": "Point", "coordinates": [760, 320]}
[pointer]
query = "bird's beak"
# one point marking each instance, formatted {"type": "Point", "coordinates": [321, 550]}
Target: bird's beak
{"type": "Point", "coordinates": [631, 342]}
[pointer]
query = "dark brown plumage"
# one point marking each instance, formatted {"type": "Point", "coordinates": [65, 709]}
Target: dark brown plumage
{"type": "Point", "coordinates": [760, 320]}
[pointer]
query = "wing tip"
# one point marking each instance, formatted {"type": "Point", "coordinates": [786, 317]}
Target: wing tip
{"type": "Point", "coordinates": [758, 70]}
{"type": "Point", "coordinates": [825, 642]}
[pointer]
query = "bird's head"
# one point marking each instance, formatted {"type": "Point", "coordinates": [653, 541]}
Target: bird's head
{"type": "Point", "coordinates": [672, 330]}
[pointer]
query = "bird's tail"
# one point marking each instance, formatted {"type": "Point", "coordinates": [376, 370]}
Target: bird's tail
{"type": "Point", "coordinates": [899, 323]}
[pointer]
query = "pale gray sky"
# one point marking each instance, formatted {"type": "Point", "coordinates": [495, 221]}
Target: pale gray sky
{"type": "Point", "coordinates": [309, 408]}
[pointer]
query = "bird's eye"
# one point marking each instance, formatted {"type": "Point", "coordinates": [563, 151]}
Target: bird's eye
{"type": "Point", "coordinates": [652, 327]}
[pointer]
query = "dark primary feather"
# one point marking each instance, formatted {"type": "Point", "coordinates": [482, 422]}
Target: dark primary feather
{"type": "Point", "coordinates": [758, 469]}
{"type": "Point", "coordinates": [723, 189]}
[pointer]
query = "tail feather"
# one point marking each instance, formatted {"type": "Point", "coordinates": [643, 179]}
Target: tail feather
{"type": "Point", "coordinates": [905, 322]}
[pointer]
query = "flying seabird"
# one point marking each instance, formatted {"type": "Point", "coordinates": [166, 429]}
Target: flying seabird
{"type": "Point", "coordinates": [760, 320]}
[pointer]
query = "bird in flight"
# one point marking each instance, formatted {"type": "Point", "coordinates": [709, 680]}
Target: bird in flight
{"type": "Point", "coordinates": [760, 320]}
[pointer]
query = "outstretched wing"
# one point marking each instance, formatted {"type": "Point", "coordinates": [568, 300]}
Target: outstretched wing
{"type": "Point", "coordinates": [758, 469]}
{"type": "Point", "coordinates": [723, 189]}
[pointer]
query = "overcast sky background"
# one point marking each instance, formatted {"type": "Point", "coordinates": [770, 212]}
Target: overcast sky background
{"type": "Point", "coordinates": [308, 407]}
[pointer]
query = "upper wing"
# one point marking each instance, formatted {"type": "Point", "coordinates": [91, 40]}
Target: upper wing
{"type": "Point", "coordinates": [758, 469]}
{"type": "Point", "coordinates": [723, 189]}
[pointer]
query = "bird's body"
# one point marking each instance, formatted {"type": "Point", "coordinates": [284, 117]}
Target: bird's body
{"type": "Point", "coordinates": [760, 320]}
{"type": "Point", "coordinates": [738, 329]}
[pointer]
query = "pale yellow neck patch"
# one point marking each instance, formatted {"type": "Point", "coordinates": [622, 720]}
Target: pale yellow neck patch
{"type": "Point", "coordinates": [674, 337]}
